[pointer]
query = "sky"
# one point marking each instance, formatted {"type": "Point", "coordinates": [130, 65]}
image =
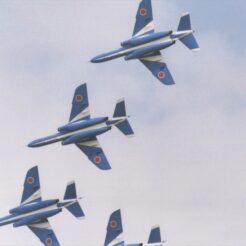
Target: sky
{"type": "Point", "coordinates": [185, 167]}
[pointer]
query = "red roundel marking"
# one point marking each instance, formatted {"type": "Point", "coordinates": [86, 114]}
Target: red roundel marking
{"type": "Point", "coordinates": [161, 74]}
{"type": "Point", "coordinates": [79, 98]}
{"type": "Point", "coordinates": [113, 224]}
{"type": "Point", "coordinates": [97, 159]}
{"type": "Point", "coordinates": [143, 11]}
{"type": "Point", "coordinates": [48, 241]}
{"type": "Point", "coordinates": [30, 180]}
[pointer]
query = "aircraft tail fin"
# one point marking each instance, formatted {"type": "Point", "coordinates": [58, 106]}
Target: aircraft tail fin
{"type": "Point", "coordinates": [120, 111]}
{"type": "Point", "coordinates": [125, 128]}
{"type": "Point", "coordinates": [190, 42]}
{"type": "Point", "coordinates": [73, 207]}
{"type": "Point", "coordinates": [155, 235]}
{"type": "Point", "coordinates": [114, 230]}
{"type": "Point", "coordinates": [185, 25]}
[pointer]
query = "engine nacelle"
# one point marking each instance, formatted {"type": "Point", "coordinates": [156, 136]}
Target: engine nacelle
{"type": "Point", "coordinates": [22, 209]}
{"type": "Point", "coordinates": [81, 124]}
{"type": "Point", "coordinates": [85, 135]}
{"type": "Point", "coordinates": [36, 217]}
{"type": "Point", "coordinates": [145, 39]}
{"type": "Point", "coordinates": [141, 52]}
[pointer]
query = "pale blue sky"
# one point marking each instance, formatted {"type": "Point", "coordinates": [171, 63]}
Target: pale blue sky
{"type": "Point", "coordinates": [184, 169]}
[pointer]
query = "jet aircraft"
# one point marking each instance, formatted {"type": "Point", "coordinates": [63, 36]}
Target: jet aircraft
{"type": "Point", "coordinates": [114, 236]}
{"type": "Point", "coordinates": [34, 212]}
{"type": "Point", "coordinates": [82, 130]}
{"type": "Point", "coordinates": [145, 44]}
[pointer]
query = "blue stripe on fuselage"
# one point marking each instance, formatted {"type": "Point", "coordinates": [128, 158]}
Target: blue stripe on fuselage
{"type": "Point", "coordinates": [144, 39]}
{"type": "Point", "coordinates": [61, 136]}
{"type": "Point", "coordinates": [9, 219]}
{"type": "Point", "coordinates": [110, 55]}
{"type": "Point", "coordinates": [137, 43]}
{"type": "Point", "coordinates": [113, 121]}
{"type": "Point", "coordinates": [37, 217]}
{"type": "Point", "coordinates": [30, 207]}
{"type": "Point", "coordinates": [39, 209]}
{"type": "Point", "coordinates": [127, 50]}
{"type": "Point", "coordinates": [47, 140]}
{"type": "Point", "coordinates": [80, 124]}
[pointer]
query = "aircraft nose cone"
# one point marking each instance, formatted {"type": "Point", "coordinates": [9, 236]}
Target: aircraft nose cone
{"type": "Point", "coordinates": [98, 58]}
{"type": "Point", "coordinates": [94, 60]}
{"type": "Point", "coordinates": [32, 144]}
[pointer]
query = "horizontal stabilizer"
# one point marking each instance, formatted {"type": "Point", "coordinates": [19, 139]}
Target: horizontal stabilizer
{"type": "Point", "coordinates": [190, 42]}
{"type": "Point", "coordinates": [125, 128]}
{"type": "Point", "coordinates": [76, 210]}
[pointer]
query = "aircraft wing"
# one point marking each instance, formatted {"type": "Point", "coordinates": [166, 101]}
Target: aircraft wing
{"type": "Point", "coordinates": [144, 19]}
{"type": "Point", "coordinates": [44, 232]}
{"type": "Point", "coordinates": [80, 105]}
{"type": "Point", "coordinates": [32, 191]}
{"type": "Point", "coordinates": [155, 63]}
{"type": "Point", "coordinates": [95, 153]}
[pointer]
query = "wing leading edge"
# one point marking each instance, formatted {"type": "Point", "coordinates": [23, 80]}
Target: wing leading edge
{"type": "Point", "coordinates": [95, 153]}
{"type": "Point", "coordinates": [80, 105]}
{"type": "Point", "coordinates": [44, 232]}
{"type": "Point", "coordinates": [32, 191]}
{"type": "Point", "coordinates": [144, 19]}
{"type": "Point", "coordinates": [155, 63]}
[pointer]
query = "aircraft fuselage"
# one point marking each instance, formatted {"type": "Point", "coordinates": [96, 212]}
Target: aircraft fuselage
{"type": "Point", "coordinates": [26, 214]}
{"type": "Point", "coordinates": [138, 47]}
{"type": "Point", "coordinates": [79, 131]}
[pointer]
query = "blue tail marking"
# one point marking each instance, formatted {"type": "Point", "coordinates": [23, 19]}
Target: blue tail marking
{"type": "Point", "coordinates": [184, 23]}
{"type": "Point", "coordinates": [120, 109]}
{"type": "Point", "coordinates": [155, 235]}
{"type": "Point", "coordinates": [70, 191]}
